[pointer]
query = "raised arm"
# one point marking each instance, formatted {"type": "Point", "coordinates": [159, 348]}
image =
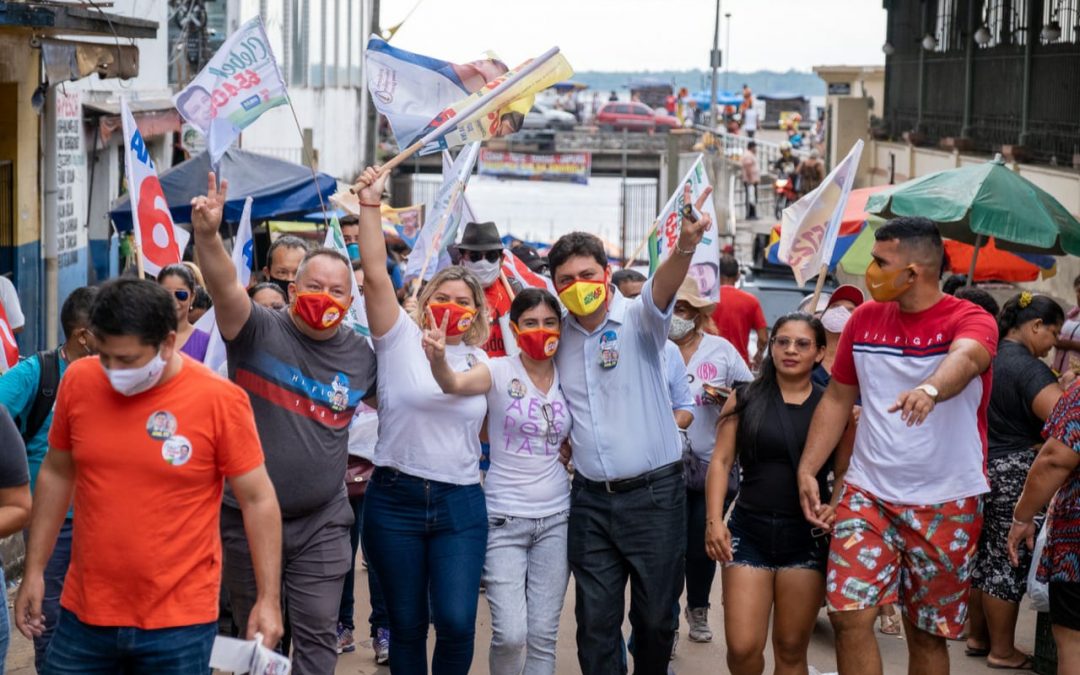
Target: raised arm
{"type": "Point", "coordinates": [232, 307]}
{"type": "Point", "coordinates": [475, 381]}
{"type": "Point", "coordinates": [669, 276]}
{"type": "Point", "coordinates": [826, 429]}
{"type": "Point", "coordinates": [379, 296]}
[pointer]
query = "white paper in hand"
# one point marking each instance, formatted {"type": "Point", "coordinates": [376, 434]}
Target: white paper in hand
{"type": "Point", "coordinates": [247, 656]}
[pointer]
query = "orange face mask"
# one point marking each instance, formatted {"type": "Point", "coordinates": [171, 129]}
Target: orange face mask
{"type": "Point", "coordinates": [460, 319]}
{"type": "Point", "coordinates": [883, 285]}
{"type": "Point", "coordinates": [319, 310]}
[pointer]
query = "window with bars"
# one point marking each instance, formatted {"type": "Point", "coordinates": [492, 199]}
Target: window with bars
{"type": "Point", "coordinates": [1006, 21]}
{"type": "Point", "coordinates": [1061, 20]}
{"type": "Point", "coordinates": [947, 26]}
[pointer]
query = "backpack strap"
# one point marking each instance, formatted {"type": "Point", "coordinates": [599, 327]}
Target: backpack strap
{"type": "Point", "coordinates": [48, 382]}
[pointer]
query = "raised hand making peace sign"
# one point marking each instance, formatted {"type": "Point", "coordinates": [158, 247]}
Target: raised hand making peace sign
{"type": "Point", "coordinates": [435, 337]}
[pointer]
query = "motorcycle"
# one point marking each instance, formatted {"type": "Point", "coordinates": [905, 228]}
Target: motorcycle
{"type": "Point", "coordinates": [784, 193]}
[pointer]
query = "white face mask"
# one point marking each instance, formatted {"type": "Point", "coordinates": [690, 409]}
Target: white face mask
{"type": "Point", "coordinates": [835, 318]}
{"type": "Point", "coordinates": [485, 270]}
{"type": "Point", "coordinates": [132, 381]}
{"type": "Point", "coordinates": [679, 327]}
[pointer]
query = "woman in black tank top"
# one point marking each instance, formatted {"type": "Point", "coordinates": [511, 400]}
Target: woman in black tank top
{"type": "Point", "coordinates": [774, 560]}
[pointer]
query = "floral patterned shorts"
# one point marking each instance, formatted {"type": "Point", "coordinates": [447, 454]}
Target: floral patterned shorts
{"type": "Point", "coordinates": [919, 556]}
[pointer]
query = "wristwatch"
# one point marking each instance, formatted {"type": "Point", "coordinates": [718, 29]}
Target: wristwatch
{"type": "Point", "coordinates": [930, 390]}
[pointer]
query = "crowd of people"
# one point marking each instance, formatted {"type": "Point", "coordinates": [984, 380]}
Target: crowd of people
{"type": "Point", "coordinates": [894, 451]}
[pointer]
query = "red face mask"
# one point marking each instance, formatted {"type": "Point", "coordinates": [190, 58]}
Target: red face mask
{"type": "Point", "coordinates": [319, 310]}
{"type": "Point", "coordinates": [460, 317]}
{"type": "Point", "coordinates": [537, 343]}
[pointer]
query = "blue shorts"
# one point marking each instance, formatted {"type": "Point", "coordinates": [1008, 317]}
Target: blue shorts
{"type": "Point", "coordinates": [775, 541]}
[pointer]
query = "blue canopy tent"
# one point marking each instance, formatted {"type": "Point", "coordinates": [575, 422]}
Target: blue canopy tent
{"type": "Point", "coordinates": [704, 99]}
{"type": "Point", "coordinates": [278, 188]}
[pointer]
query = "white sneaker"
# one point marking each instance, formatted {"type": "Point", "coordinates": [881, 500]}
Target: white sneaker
{"type": "Point", "coordinates": [698, 618]}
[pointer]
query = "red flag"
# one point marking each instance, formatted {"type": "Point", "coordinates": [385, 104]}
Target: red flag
{"type": "Point", "coordinates": [7, 341]}
{"type": "Point", "coordinates": [513, 266]}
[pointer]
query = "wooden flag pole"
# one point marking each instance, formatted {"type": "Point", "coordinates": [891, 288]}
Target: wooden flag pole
{"type": "Point", "coordinates": [644, 242]}
{"type": "Point", "coordinates": [506, 284]}
{"type": "Point", "coordinates": [139, 266]}
{"type": "Point", "coordinates": [822, 273]}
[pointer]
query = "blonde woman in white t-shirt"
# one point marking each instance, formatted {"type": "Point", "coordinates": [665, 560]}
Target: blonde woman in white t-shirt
{"type": "Point", "coordinates": [527, 489]}
{"type": "Point", "coordinates": [425, 520]}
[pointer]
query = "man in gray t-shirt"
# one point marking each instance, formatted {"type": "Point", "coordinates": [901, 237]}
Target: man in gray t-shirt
{"type": "Point", "coordinates": [305, 375]}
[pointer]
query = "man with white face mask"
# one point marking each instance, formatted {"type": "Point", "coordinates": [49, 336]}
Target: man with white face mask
{"type": "Point", "coordinates": [482, 254]}
{"type": "Point", "coordinates": [144, 439]}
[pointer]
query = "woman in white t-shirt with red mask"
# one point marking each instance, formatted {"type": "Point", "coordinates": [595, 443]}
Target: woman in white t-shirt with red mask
{"type": "Point", "coordinates": [527, 489]}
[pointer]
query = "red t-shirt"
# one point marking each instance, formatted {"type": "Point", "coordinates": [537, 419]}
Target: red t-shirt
{"type": "Point", "coordinates": [498, 304]}
{"type": "Point", "coordinates": [886, 352]}
{"type": "Point", "coordinates": [149, 469]}
{"type": "Point", "coordinates": [737, 314]}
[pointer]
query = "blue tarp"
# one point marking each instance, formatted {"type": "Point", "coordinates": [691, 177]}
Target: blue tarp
{"type": "Point", "coordinates": [279, 188]}
{"type": "Point", "coordinates": [704, 99]}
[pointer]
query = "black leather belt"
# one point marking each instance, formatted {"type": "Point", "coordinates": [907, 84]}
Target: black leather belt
{"type": "Point", "coordinates": [628, 484]}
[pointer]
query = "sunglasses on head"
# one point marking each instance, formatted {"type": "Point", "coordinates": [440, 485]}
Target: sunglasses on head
{"type": "Point", "coordinates": [477, 256]}
{"type": "Point", "coordinates": [181, 294]}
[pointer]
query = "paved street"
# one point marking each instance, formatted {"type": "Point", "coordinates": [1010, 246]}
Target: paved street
{"type": "Point", "coordinates": [691, 658]}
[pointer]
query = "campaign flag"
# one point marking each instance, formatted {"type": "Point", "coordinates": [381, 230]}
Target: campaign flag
{"type": "Point", "coordinates": [241, 82]}
{"type": "Point", "coordinates": [498, 108]}
{"type": "Point", "coordinates": [446, 216]}
{"type": "Point", "coordinates": [411, 89]}
{"type": "Point", "coordinates": [514, 267]}
{"type": "Point", "coordinates": [243, 258]}
{"type": "Point", "coordinates": [160, 242]}
{"type": "Point", "coordinates": [809, 227]}
{"type": "Point", "coordinates": [705, 265]}
{"type": "Point", "coordinates": [9, 350]}
{"type": "Point", "coordinates": [356, 316]}
{"type": "Point", "coordinates": [405, 222]}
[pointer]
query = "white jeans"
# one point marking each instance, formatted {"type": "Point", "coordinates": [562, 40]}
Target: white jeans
{"type": "Point", "coordinates": [525, 577]}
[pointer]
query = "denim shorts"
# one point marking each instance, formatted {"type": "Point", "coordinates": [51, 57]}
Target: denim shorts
{"type": "Point", "coordinates": [774, 541]}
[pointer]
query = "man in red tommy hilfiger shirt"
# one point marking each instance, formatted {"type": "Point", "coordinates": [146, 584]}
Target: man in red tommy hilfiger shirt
{"type": "Point", "coordinates": [911, 505]}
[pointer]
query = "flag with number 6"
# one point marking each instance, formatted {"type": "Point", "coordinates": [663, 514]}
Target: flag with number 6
{"type": "Point", "coordinates": [160, 242]}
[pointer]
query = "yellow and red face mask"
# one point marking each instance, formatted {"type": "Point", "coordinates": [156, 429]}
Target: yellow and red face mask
{"type": "Point", "coordinates": [582, 297]}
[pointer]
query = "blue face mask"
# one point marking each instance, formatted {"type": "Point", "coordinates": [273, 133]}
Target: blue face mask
{"type": "Point", "coordinates": [354, 251]}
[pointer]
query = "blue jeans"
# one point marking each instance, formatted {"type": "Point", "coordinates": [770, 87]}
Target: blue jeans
{"type": "Point", "coordinates": [79, 648]}
{"type": "Point", "coordinates": [423, 535]}
{"type": "Point", "coordinates": [377, 618]}
{"type": "Point", "coordinates": [55, 572]}
{"type": "Point", "coordinates": [5, 626]}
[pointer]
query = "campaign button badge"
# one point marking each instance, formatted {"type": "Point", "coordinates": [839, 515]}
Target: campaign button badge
{"type": "Point", "coordinates": [609, 349]}
{"type": "Point", "coordinates": [516, 388]}
{"type": "Point", "coordinates": [176, 451]}
{"type": "Point", "coordinates": [161, 425]}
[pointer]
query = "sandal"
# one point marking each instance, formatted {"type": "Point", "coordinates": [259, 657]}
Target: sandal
{"type": "Point", "coordinates": [976, 651]}
{"type": "Point", "coordinates": [1026, 664]}
{"type": "Point", "coordinates": [890, 625]}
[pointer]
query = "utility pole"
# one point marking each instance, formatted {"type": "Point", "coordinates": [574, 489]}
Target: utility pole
{"type": "Point", "coordinates": [714, 61]}
{"type": "Point", "coordinates": [727, 45]}
{"type": "Point", "coordinates": [371, 134]}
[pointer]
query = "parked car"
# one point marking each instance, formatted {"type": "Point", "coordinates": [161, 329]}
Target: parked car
{"type": "Point", "coordinates": [619, 115]}
{"type": "Point", "coordinates": [542, 116]}
{"type": "Point", "coordinates": [778, 294]}
{"type": "Point", "coordinates": [664, 121]}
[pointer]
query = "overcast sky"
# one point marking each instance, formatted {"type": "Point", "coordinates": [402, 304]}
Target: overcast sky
{"type": "Point", "coordinates": [632, 35]}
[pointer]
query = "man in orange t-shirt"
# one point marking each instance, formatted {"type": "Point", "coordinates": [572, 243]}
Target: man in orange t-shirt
{"type": "Point", "coordinates": [739, 313]}
{"type": "Point", "coordinates": [143, 437]}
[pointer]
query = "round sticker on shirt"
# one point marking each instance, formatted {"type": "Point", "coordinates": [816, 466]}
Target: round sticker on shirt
{"type": "Point", "coordinates": [707, 371]}
{"type": "Point", "coordinates": [609, 349]}
{"type": "Point", "coordinates": [176, 450]}
{"type": "Point", "coordinates": [161, 425]}
{"type": "Point", "coordinates": [470, 361]}
{"type": "Point", "coordinates": [516, 388]}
